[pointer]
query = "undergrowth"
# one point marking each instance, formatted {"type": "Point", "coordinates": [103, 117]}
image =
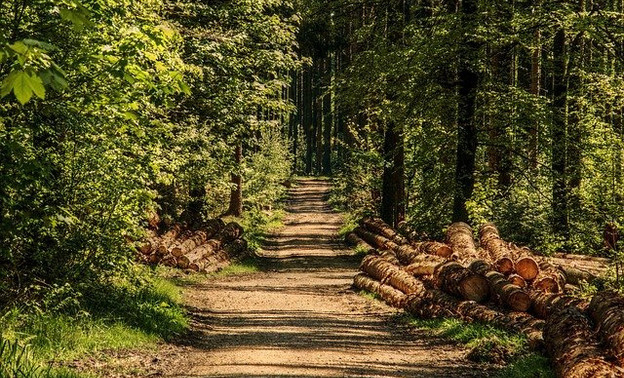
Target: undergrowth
{"type": "Point", "coordinates": [486, 344]}
{"type": "Point", "coordinates": [71, 322]}
{"type": "Point", "coordinates": [489, 344]}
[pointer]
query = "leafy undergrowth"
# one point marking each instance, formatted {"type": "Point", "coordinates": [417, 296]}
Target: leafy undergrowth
{"type": "Point", "coordinates": [66, 324]}
{"type": "Point", "coordinates": [490, 345]}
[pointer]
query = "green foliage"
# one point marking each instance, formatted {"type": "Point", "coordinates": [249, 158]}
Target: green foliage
{"type": "Point", "coordinates": [489, 344]}
{"type": "Point", "coordinates": [66, 325]}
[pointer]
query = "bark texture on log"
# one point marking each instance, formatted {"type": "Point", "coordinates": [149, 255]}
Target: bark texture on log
{"type": "Point", "coordinates": [507, 294]}
{"type": "Point", "coordinates": [459, 238]}
{"type": "Point", "coordinates": [453, 278]}
{"type": "Point", "coordinates": [499, 250]}
{"type": "Point", "coordinates": [189, 244]}
{"type": "Point", "coordinates": [575, 352]}
{"type": "Point", "coordinates": [167, 239]}
{"type": "Point", "coordinates": [377, 241]}
{"type": "Point", "coordinates": [390, 295]}
{"type": "Point", "coordinates": [378, 226]}
{"type": "Point", "coordinates": [424, 265]}
{"type": "Point", "coordinates": [545, 304]}
{"type": "Point", "coordinates": [607, 311]}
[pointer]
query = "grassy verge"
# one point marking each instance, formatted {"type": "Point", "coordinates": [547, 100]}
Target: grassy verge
{"type": "Point", "coordinates": [485, 344]}
{"type": "Point", "coordinates": [67, 325]}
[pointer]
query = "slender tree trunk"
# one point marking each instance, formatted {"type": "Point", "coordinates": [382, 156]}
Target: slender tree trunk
{"type": "Point", "coordinates": [536, 78]}
{"type": "Point", "coordinates": [559, 136]}
{"type": "Point", "coordinates": [393, 183]}
{"type": "Point", "coordinates": [236, 195]}
{"type": "Point", "coordinates": [308, 125]}
{"type": "Point", "coordinates": [468, 78]}
{"type": "Point", "coordinates": [327, 124]}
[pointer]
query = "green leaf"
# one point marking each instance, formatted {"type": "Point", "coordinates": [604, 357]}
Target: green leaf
{"type": "Point", "coordinates": [25, 85]}
{"type": "Point", "coordinates": [21, 87]}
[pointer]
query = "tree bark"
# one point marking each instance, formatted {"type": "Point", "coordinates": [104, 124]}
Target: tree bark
{"type": "Point", "coordinates": [559, 138]}
{"type": "Point", "coordinates": [467, 138]}
{"type": "Point", "coordinates": [236, 195]}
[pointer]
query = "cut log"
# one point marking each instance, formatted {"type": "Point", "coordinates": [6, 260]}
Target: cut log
{"type": "Point", "coordinates": [607, 310]}
{"type": "Point", "coordinates": [181, 248]}
{"type": "Point", "coordinates": [508, 294]}
{"type": "Point", "coordinates": [526, 264]}
{"type": "Point", "coordinates": [231, 232]}
{"type": "Point", "coordinates": [453, 278]}
{"type": "Point", "coordinates": [595, 259]}
{"type": "Point", "coordinates": [376, 267]}
{"type": "Point", "coordinates": [422, 265]}
{"type": "Point", "coordinates": [389, 256]}
{"type": "Point", "coordinates": [550, 279]}
{"type": "Point", "coordinates": [517, 280]}
{"type": "Point", "coordinates": [459, 238]}
{"type": "Point", "coordinates": [435, 248]}
{"type": "Point", "coordinates": [380, 227]}
{"type": "Point", "coordinates": [169, 260]}
{"type": "Point", "coordinates": [545, 304]}
{"type": "Point", "coordinates": [354, 240]}
{"type": "Point", "coordinates": [375, 240]}
{"type": "Point", "coordinates": [502, 256]}
{"type": "Point", "coordinates": [575, 275]}
{"type": "Point", "coordinates": [390, 295]}
{"type": "Point", "coordinates": [167, 239]}
{"type": "Point", "coordinates": [574, 350]}
{"type": "Point", "coordinates": [435, 303]}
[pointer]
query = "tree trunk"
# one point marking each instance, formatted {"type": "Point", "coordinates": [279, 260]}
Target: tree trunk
{"type": "Point", "coordinates": [559, 138]}
{"type": "Point", "coordinates": [468, 79]}
{"type": "Point", "coordinates": [393, 185]}
{"type": "Point", "coordinates": [327, 122]}
{"type": "Point", "coordinates": [236, 195]}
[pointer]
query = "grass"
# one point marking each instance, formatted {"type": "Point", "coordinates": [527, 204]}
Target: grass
{"type": "Point", "coordinates": [485, 343]}
{"type": "Point", "coordinates": [113, 315]}
{"type": "Point", "coordinates": [489, 344]}
{"type": "Point", "coordinates": [350, 223]}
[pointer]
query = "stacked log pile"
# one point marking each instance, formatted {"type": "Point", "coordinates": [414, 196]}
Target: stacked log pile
{"type": "Point", "coordinates": [499, 283]}
{"type": "Point", "coordinates": [206, 248]}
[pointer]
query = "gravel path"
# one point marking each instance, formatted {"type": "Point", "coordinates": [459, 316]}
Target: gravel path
{"type": "Point", "coordinates": [299, 316]}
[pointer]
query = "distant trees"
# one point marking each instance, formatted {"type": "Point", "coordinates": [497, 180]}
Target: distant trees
{"type": "Point", "coordinates": [510, 112]}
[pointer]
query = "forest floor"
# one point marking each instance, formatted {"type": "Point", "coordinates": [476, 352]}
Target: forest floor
{"type": "Point", "coordinates": [298, 316]}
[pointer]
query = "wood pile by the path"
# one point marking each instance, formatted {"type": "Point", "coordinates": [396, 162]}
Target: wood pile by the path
{"type": "Point", "coordinates": [206, 248]}
{"type": "Point", "coordinates": [491, 280]}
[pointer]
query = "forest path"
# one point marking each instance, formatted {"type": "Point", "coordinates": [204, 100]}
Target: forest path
{"type": "Point", "coordinates": [299, 316]}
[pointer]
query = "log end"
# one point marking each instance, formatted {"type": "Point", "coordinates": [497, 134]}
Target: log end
{"type": "Point", "coordinates": [444, 251]}
{"type": "Point", "coordinates": [517, 280]}
{"type": "Point", "coordinates": [527, 268]}
{"type": "Point", "coordinates": [546, 284]}
{"type": "Point", "coordinates": [520, 301]}
{"type": "Point", "coordinates": [475, 288]}
{"type": "Point", "coordinates": [504, 265]}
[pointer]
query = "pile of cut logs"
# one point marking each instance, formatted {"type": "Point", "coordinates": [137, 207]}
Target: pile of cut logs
{"type": "Point", "coordinates": [497, 282]}
{"type": "Point", "coordinates": [206, 248]}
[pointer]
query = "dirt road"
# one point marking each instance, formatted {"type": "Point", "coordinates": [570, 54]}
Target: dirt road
{"type": "Point", "coordinates": [299, 317]}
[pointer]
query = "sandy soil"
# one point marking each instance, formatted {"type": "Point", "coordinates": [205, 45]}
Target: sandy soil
{"type": "Point", "coordinates": [299, 316]}
{"type": "Point", "coordinates": [301, 319]}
